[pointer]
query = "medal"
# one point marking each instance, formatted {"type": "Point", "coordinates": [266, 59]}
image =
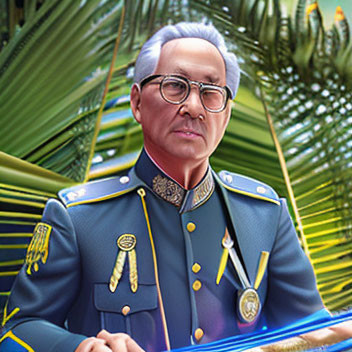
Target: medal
{"type": "Point", "coordinates": [126, 243]}
{"type": "Point", "coordinates": [248, 304]}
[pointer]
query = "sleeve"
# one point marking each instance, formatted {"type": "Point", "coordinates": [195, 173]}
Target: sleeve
{"type": "Point", "coordinates": [45, 288]}
{"type": "Point", "coordinates": [292, 292]}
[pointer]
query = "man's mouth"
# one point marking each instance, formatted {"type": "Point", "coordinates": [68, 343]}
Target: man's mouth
{"type": "Point", "coordinates": [188, 132]}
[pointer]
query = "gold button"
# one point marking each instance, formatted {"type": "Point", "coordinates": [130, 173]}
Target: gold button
{"type": "Point", "coordinates": [191, 226]}
{"type": "Point", "coordinates": [125, 310]}
{"type": "Point", "coordinates": [196, 267]}
{"type": "Point", "coordinates": [198, 334]}
{"type": "Point", "coordinates": [196, 285]}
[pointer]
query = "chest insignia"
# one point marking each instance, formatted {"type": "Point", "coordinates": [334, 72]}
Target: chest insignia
{"type": "Point", "coordinates": [38, 249]}
{"type": "Point", "coordinates": [126, 244]}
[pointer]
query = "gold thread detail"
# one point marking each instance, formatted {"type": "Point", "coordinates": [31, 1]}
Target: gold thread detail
{"type": "Point", "coordinates": [202, 191]}
{"type": "Point", "coordinates": [132, 260]}
{"type": "Point", "coordinates": [13, 337]}
{"type": "Point", "coordinates": [117, 271]}
{"type": "Point", "coordinates": [126, 243]}
{"type": "Point", "coordinates": [38, 249]}
{"type": "Point", "coordinates": [6, 317]}
{"type": "Point", "coordinates": [168, 190]}
{"type": "Point", "coordinates": [141, 193]}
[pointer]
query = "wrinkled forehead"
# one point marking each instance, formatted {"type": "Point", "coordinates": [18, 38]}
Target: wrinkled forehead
{"type": "Point", "coordinates": [191, 55]}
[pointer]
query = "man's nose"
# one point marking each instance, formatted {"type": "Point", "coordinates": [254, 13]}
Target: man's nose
{"type": "Point", "coordinates": [193, 105]}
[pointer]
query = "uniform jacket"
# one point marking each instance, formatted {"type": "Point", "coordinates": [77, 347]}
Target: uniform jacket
{"type": "Point", "coordinates": [63, 293]}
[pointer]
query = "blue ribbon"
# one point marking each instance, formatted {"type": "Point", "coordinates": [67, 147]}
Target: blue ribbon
{"type": "Point", "coordinates": [318, 320]}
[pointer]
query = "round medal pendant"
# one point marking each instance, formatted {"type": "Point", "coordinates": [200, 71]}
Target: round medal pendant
{"type": "Point", "coordinates": [126, 242]}
{"type": "Point", "coordinates": [248, 305]}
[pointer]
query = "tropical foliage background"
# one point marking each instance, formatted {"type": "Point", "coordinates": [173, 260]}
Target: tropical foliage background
{"type": "Point", "coordinates": [65, 71]}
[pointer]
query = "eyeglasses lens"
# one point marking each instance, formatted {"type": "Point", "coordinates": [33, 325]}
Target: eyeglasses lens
{"type": "Point", "coordinates": [213, 99]}
{"type": "Point", "coordinates": [175, 90]}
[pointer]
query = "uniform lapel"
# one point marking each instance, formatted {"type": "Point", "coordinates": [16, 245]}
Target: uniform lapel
{"type": "Point", "coordinates": [254, 231]}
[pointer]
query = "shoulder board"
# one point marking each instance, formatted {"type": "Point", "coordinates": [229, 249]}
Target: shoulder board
{"type": "Point", "coordinates": [248, 186]}
{"type": "Point", "coordinates": [97, 191]}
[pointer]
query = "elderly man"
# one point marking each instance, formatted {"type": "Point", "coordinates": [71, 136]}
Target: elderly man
{"type": "Point", "coordinates": [172, 254]}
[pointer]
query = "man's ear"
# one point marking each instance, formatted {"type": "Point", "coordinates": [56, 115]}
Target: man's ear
{"type": "Point", "coordinates": [135, 101]}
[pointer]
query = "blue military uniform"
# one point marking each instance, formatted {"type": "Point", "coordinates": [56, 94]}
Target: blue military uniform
{"type": "Point", "coordinates": [141, 255]}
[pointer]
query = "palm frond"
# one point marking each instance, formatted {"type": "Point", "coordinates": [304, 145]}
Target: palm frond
{"type": "Point", "coordinates": [49, 109]}
{"type": "Point", "coordinates": [54, 103]}
{"type": "Point", "coordinates": [120, 138]}
{"type": "Point", "coordinates": [304, 74]}
{"type": "Point", "coordinates": [24, 190]}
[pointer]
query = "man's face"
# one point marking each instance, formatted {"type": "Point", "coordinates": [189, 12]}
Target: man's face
{"type": "Point", "coordinates": [177, 131]}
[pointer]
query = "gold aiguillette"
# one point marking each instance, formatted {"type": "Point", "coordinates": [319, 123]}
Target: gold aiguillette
{"type": "Point", "coordinates": [126, 243]}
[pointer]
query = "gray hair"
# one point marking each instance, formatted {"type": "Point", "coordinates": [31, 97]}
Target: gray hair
{"type": "Point", "coordinates": [149, 55]}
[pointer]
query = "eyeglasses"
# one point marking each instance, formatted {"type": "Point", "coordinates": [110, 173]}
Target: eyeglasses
{"type": "Point", "coordinates": [176, 89]}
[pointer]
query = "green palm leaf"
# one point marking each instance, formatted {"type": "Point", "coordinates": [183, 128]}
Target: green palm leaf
{"type": "Point", "coordinates": [49, 107]}
{"type": "Point", "coordinates": [49, 111]}
{"type": "Point", "coordinates": [303, 74]}
{"type": "Point", "coordinates": [120, 137]}
{"type": "Point", "coordinates": [297, 91]}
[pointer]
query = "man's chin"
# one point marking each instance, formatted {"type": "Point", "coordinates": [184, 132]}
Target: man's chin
{"type": "Point", "coordinates": [180, 153]}
{"type": "Point", "coordinates": [187, 155]}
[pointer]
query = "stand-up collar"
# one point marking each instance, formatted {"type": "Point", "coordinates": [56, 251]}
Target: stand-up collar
{"type": "Point", "coordinates": [169, 190]}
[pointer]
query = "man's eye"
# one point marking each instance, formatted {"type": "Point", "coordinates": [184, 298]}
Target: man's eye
{"type": "Point", "coordinates": [211, 93]}
{"type": "Point", "coordinates": [174, 88]}
{"type": "Point", "coordinates": [175, 85]}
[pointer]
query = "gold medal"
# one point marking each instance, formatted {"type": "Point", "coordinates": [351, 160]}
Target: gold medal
{"type": "Point", "coordinates": [248, 305]}
{"type": "Point", "coordinates": [126, 243]}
